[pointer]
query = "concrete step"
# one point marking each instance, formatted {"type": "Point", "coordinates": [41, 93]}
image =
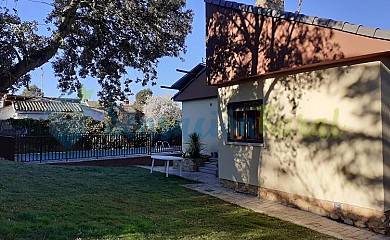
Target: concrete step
{"type": "Point", "coordinates": [210, 167]}
{"type": "Point", "coordinates": [211, 163]}
{"type": "Point", "coordinates": [207, 170]}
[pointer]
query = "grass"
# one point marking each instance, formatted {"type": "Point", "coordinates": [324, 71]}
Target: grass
{"type": "Point", "coordinates": [53, 202]}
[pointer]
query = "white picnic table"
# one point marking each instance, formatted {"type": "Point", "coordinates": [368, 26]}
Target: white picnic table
{"type": "Point", "coordinates": [166, 159]}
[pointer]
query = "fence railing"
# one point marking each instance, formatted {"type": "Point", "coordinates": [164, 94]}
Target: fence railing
{"type": "Point", "coordinates": [65, 147]}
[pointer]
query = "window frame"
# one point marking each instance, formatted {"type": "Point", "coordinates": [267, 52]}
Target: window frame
{"type": "Point", "coordinates": [245, 105]}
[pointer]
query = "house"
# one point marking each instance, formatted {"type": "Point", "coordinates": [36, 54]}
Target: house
{"type": "Point", "coordinates": [20, 107]}
{"type": "Point", "coordinates": [199, 107]}
{"type": "Point", "coordinates": [303, 110]}
{"type": "Point", "coordinates": [127, 112]}
{"type": "Point", "coordinates": [129, 116]}
{"type": "Point", "coordinates": [93, 104]}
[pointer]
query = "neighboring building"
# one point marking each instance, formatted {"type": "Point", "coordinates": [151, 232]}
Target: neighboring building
{"type": "Point", "coordinates": [94, 104]}
{"type": "Point", "coordinates": [304, 110]}
{"type": "Point", "coordinates": [19, 107]}
{"type": "Point", "coordinates": [126, 112]}
{"type": "Point", "coordinates": [199, 107]}
{"type": "Point", "coordinates": [128, 116]}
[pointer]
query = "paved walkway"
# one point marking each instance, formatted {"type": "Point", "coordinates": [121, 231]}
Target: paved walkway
{"type": "Point", "coordinates": [210, 185]}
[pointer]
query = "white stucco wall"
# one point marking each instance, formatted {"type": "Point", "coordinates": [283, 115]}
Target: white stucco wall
{"type": "Point", "coordinates": [345, 166]}
{"type": "Point", "coordinates": [37, 116]}
{"type": "Point", "coordinates": [7, 113]}
{"type": "Point", "coordinates": [98, 115]}
{"type": "Point", "coordinates": [201, 116]}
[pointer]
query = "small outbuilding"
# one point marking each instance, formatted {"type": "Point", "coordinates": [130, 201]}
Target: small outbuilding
{"type": "Point", "coordinates": [303, 110]}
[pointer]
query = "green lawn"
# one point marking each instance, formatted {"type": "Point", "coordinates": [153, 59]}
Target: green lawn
{"type": "Point", "coordinates": [53, 202]}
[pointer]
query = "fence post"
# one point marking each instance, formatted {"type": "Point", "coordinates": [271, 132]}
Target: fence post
{"type": "Point", "coordinates": [123, 141]}
{"type": "Point", "coordinates": [150, 143]}
{"type": "Point", "coordinates": [98, 145]}
{"type": "Point", "coordinates": [40, 149]}
{"type": "Point", "coordinates": [66, 151]}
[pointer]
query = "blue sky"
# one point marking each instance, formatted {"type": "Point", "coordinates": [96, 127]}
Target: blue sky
{"type": "Point", "coordinates": [368, 13]}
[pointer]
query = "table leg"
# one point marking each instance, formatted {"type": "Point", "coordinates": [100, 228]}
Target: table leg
{"type": "Point", "coordinates": [151, 167]}
{"type": "Point", "coordinates": [181, 167]}
{"type": "Point", "coordinates": [167, 169]}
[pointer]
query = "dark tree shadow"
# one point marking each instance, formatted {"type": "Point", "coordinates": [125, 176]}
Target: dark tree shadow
{"type": "Point", "coordinates": [243, 44]}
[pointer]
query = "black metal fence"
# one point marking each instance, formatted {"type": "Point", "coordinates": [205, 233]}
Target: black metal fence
{"type": "Point", "coordinates": [65, 147]}
{"type": "Point", "coordinates": [7, 147]}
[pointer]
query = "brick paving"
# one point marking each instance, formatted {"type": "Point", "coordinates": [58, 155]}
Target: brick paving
{"type": "Point", "coordinates": [210, 185]}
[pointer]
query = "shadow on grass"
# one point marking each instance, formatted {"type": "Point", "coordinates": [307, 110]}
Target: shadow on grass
{"type": "Point", "coordinates": [52, 202]}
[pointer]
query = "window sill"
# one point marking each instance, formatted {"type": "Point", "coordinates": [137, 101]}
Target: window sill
{"type": "Point", "coordinates": [245, 144]}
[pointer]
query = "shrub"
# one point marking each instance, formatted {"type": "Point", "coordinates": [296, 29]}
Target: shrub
{"type": "Point", "coordinates": [194, 145]}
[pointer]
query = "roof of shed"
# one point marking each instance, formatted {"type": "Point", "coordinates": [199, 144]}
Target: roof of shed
{"type": "Point", "coordinates": [193, 85]}
{"type": "Point", "coordinates": [183, 81]}
{"type": "Point", "coordinates": [301, 18]}
{"type": "Point", "coordinates": [46, 106]}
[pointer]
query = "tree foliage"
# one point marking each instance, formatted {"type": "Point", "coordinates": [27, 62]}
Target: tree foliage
{"type": "Point", "coordinates": [26, 126]}
{"type": "Point", "coordinates": [32, 91]}
{"type": "Point", "coordinates": [100, 39]}
{"type": "Point", "coordinates": [161, 113]}
{"type": "Point", "coordinates": [67, 123]}
{"type": "Point", "coordinates": [141, 97]}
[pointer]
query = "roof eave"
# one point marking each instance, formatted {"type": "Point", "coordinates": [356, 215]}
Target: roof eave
{"type": "Point", "coordinates": [315, 66]}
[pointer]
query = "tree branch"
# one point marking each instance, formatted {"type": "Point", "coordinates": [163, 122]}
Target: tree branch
{"type": "Point", "coordinates": [42, 2]}
{"type": "Point", "coordinates": [11, 76]}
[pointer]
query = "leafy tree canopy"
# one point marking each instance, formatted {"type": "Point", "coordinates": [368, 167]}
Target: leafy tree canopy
{"type": "Point", "coordinates": [100, 39]}
{"type": "Point", "coordinates": [161, 113]}
{"type": "Point", "coordinates": [32, 91]}
{"type": "Point", "coordinates": [141, 97]}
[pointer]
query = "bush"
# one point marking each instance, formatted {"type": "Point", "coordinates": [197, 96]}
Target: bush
{"type": "Point", "coordinates": [194, 145]}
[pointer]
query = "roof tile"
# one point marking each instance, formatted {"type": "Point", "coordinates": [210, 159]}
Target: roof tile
{"type": "Point", "coordinates": [244, 7]}
{"type": "Point", "coordinates": [236, 6]}
{"type": "Point", "coordinates": [287, 16]}
{"type": "Point", "coordinates": [383, 34]}
{"type": "Point", "coordinates": [366, 31]}
{"type": "Point", "coordinates": [352, 28]}
{"type": "Point", "coordinates": [275, 13]}
{"type": "Point", "coordinates": [336, 24]}
{"type": "Point", "coordinates": [322, 22]}
{"type": "Point", "coordinates": [228, 4]}
{"type": "Point", "coordinates": [250, 9]}
{"type": "Point", "coordinates": [46, 106]}
{"type": "Point", "coordinates": [307, 19]}
{"type": "Point", "coordinates": [262, 11]}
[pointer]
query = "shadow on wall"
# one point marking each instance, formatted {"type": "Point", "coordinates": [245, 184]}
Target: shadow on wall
{"type": "Point", "coordinates": [243, 44]}
{"type": "Point", "coordinates": [385, 85]}
{"type": "Point", "coordinates": [240, 45]}
{"type": "Point", "coordinates": [245, 164]}
{"type": "Point", "coordinates": [336, 159]}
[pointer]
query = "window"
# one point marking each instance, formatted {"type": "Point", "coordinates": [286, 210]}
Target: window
{"type": "Point", "coordinates": [245, 121]}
